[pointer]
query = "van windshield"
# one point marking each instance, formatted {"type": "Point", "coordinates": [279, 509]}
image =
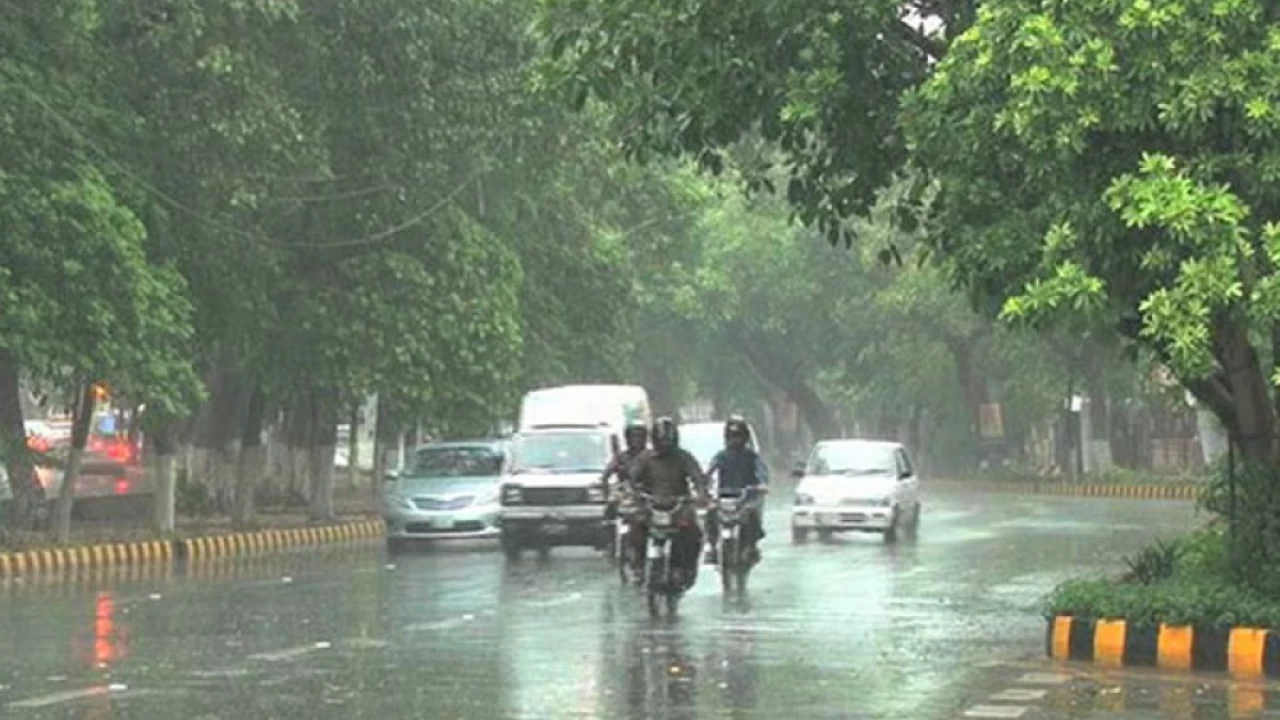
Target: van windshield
{"type": "Point", "coordinates": [561, 453]}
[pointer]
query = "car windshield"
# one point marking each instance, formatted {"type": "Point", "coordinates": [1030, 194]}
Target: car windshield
{"type": "Point", "coordinates": [457, 462]}
{"type": "Point", "coordinates": [851, 459]}
{"type": "Point", "coordinates": [570, 452]}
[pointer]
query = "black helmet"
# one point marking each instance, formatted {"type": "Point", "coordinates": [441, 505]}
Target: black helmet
{"type": "Point", "coordinates": [636, 429]}
{"type": "Point", "coordinates": [665, 431]}
{"type": "Point", "coordinates": [736, 427]}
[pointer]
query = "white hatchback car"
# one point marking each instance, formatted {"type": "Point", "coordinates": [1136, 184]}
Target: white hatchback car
{"type": "Point", "coordinates": [865, 486]}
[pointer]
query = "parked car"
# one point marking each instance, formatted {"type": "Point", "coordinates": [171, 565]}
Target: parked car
{"type": "Point", "coordinates": [448, 491]}
{"type": "Point", "coordinates": [552, 494]}
{"type": "Point", "coordinates": [867, 486]}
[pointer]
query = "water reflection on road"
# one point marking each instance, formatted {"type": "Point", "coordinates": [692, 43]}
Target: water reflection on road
{"type": "Point", "coordinates": [847, 628]}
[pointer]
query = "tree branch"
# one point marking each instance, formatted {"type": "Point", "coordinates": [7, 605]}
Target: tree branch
{"type": "Point", "coordinates": [933, 47]}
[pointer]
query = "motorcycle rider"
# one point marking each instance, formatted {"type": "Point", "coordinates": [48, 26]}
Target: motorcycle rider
{"type": "Point", "coordinates": [739, 468]}
{"type": "Point", "coordinates": [668, 471]}
{"type": "Point", "coordinates": [622, 466]}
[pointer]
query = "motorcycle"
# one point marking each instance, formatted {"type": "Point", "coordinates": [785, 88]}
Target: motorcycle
{"type": "Point", "coordinates": [664, 580]}
{"type": "Point", "coordinates": [736, 556]}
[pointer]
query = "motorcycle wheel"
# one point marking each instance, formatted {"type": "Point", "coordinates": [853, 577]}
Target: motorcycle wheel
{"type": "Point", "coordinates": [673, 604]}
{"type": "Point", "coordinates": [653, 604]}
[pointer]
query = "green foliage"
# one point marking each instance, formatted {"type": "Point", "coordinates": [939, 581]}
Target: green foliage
{"type": "Point", "coordinates": [1186, 581]}
{"type": "Point", "coordinates": [1154, 563]}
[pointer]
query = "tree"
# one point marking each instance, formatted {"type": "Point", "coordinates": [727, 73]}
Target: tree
{"type": "Point", "coordinates": [821, 79]}
{"type": "Point", "coordinates": [1118, 163]}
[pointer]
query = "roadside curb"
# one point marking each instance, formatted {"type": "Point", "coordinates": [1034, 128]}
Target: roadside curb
{"type": "Point", "coordinates": [1240, 651]}
{"type": "Point", "coordinates": [255, 543]}
{"type": "Point", "coordinates": [156, 552]}
{"type": "Point", "coordinates": [1143, 492]}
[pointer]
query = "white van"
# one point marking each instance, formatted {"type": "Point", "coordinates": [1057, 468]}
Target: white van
{"type": "Point", "coordinates": [551, 492]}
{"type": "Point", "coordinates": [611, 406]}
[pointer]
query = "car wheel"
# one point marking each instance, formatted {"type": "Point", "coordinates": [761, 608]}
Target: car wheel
{"type": "Point", "coordinates": [510, 547]}
{"type": "Point", "coordinates": [891, 532]}
{"type": "Point", "coordinates": [799, 534]}
{"type": "Point", "coordinates": [915, 521]}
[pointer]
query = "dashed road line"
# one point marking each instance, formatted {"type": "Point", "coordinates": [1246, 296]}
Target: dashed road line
{"type": "Point", "coordinates": [996, 711]}
{"type": "Point", "coordinates": [291, 653]}
{"type": "Point", "coordinates": [1019, 695]}
{"type": "Point", "coordinates": [67, 696]}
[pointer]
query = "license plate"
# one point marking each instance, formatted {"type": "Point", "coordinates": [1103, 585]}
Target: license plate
{"type": "Point", "coordinates": [726, 534]}
{"type": "Point", "coordinates": [555, 529]}
{"type": "Point", "coordinates": [654, 552]}
{"type": "Point", "coordinates": [828, 519]}
{"type": "Point", "coordinates": [623, 529]}
{"type": "Point", "coordinates": [444, 521]}
{"type": "Point", "coordinates": [660, 518]}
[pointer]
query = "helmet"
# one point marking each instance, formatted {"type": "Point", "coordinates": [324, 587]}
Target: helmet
{"type": "Point", "coordinates": [665, 432]}
{"type": "Point", "coordinates": [736, 427]}
{"type": "Point", "coordinates": [636, 430]}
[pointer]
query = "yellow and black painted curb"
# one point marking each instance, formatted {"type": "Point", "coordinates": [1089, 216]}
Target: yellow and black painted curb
{"type": "Point", "coordinates": [1145, 492]}
{"type": "Point", "coordinates": [1241, 651]}
{"type": "Point", "coordinates": [239, 544]}
{"type": "Point", "coordinates": [58, 561]}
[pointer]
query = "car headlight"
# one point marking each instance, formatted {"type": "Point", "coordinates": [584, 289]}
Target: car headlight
{"type": "Point", "coordinates": [398, 501]}
{"type": "Point", "coordinates": [487, 498]}
{"type": "Point", "coordinates": [510, 495]}
{"type": "Point", "coordinates": [804, 499]}
{"type": "Point", "coordinates": [595, 494]}
{"type": "Point", "coordinates": [882, 502]}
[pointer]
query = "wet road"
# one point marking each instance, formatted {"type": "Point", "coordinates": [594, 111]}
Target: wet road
{"type": "Point", "coordinates": [847, 629]}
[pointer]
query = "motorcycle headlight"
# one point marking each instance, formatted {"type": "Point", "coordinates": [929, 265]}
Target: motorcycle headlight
{"type": "Point", "coordinates": [510, 495]}
{"type": "Point", "coordinates": [804, 499]}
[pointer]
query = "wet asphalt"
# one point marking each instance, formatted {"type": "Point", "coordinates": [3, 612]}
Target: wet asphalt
{"type": "Point", "coordinates": [850, 628]}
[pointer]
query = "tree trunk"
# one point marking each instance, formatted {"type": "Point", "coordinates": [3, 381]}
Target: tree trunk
{"type": "Point", "coordinates": [384, 441]}
{"type": "Point", "coordinates": [82, 418]}
{"type": "Point", "coordinates": [253, 460]}
{"type": "Point", "coordinates": [353, 448]}
{"type": "Point", "coordinates": [27, 494]}
{"type": "Point", "coordinates": [162, 443]}
{"type": "Point", "coordinates": [324, 431]}
{"type": "Point", "coordinates": [298, 436]}
{"type": "Point", "coordinates": [785, 375]}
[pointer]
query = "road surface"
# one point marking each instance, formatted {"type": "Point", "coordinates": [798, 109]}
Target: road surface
{"type": "Point", "coordinates": [931, 628]}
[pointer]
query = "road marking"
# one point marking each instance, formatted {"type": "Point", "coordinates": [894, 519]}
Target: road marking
{"type": "Point", "coordinates": [995, 711]}
{"type": "Point", "coordinates": [68, 696]}
{"type": "Point", "coordinates": [291, 653]}
{"type": "Point", "coordinates": [1018, 695]}
{"type": "Point", "coordinates": [439, 624]}
{"type": "Point", "coordinates": [1044, 678]}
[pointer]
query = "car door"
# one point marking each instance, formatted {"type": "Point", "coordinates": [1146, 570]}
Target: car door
{"type": "Point", "coordinates": [910, 484]}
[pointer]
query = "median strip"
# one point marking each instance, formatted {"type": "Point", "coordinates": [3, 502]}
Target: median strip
{"type": "Point", "coordinates": [1240, 651]}
{"type": "Point", "coordinates": [1143, 492]}
{"type": "Point", "coordinates": [49, 562]}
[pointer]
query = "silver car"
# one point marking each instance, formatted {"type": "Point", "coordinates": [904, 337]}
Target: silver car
{"type": "Point", "coordinates": [448, 491]}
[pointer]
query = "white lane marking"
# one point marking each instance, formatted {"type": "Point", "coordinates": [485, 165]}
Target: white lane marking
{"type": "Point", "coordinates": [1044, 678]}
{"type": "Point", "coordinates": [1019, 695]}
{"type": "Point", "coordinates": [291, 653]}
{"type": "Point", "coordinates": [555, 602]}
{"type": "Point", "coordinates": [69, 696]}
{"type": "Point", "coordinates": [440, 624]}
{"type": "Point", "coordinates": [995, 711]}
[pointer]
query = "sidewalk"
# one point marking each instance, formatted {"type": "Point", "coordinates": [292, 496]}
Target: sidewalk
{"type": "Point", "coordinates": [1072, 691]}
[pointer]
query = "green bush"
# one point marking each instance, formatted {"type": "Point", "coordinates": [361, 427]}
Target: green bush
{"type": "Point", "coordinates": [1188, 581]}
